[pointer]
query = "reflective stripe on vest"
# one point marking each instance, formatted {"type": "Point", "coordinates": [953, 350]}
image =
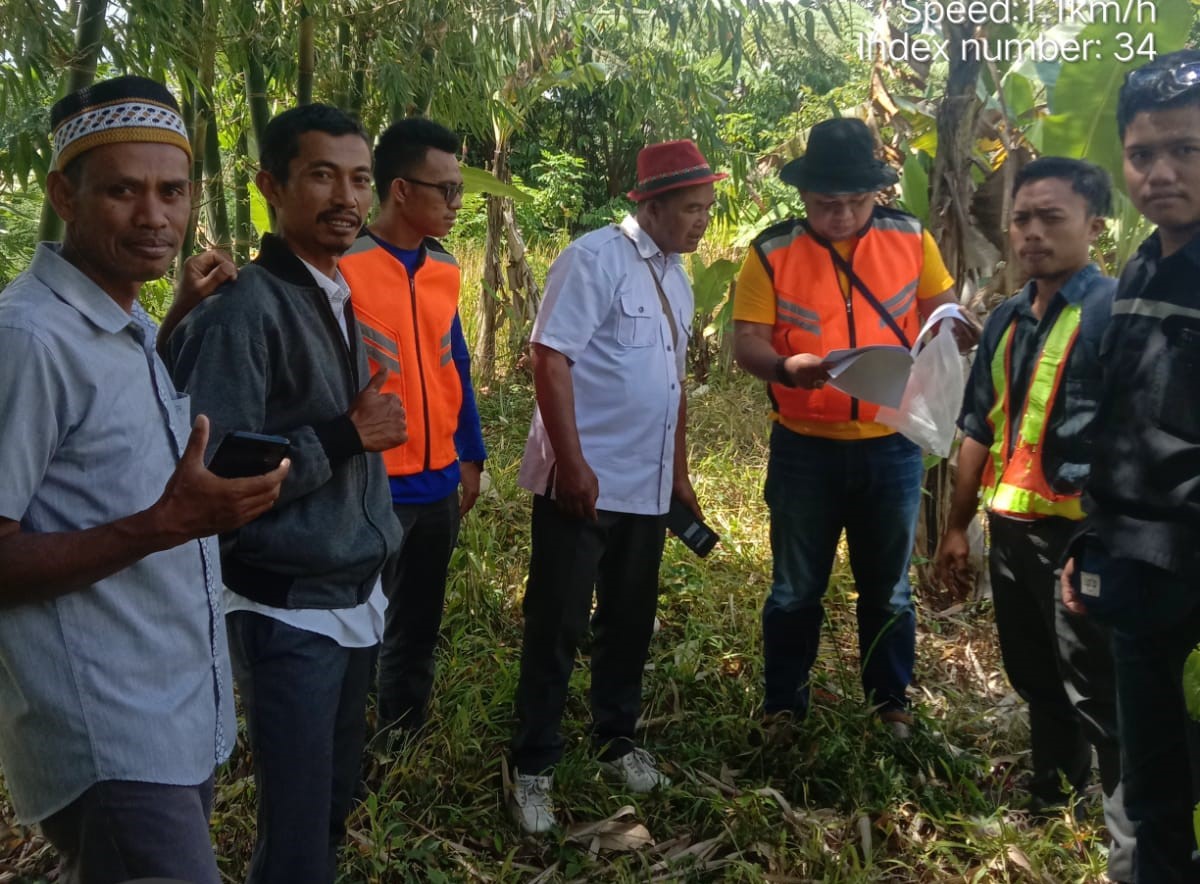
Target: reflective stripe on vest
{"type": "Point", "coordinates": [406, 327]}
{"type": "Point", "coordinates": [814, 315]}
{"type": "Point", "coordinates": [1016, 485]}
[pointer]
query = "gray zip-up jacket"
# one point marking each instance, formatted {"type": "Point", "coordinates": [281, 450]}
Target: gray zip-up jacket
{"type": "Point", "coordinates": [265, 354]}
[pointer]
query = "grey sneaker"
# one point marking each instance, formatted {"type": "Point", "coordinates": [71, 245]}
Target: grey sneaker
{"type": "Point", "coordinates": [638, 770]}
{"type": "Point", "coordinates": [530, 803]}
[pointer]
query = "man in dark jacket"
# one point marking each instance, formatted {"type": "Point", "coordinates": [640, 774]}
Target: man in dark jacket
{"type": "Point", "coordinates": [279, 352]}
{"type": "Point", "coordinates": [1138, 565]}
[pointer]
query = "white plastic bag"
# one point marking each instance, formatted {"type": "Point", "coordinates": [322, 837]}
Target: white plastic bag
{"type": "Point", "coordinates": [933, 396]}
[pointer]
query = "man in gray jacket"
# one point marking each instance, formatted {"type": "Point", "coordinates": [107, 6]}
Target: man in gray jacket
{"type": "Point", "coordinates": [278, 352]}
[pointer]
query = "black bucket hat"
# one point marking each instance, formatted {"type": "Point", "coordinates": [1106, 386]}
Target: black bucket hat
{"type": "Point", "coordinates": [840, 159]}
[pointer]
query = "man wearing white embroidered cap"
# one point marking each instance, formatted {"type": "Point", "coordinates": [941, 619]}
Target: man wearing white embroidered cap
{"type": "Point", "coordinates": [115, 696]}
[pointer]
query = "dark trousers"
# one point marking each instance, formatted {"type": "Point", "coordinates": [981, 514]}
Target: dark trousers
{"type": "Point", "coordinates": [304, 697]}
{"type": "Point", "coordinates": [815, 488]}
{"type": "Point", "coordinates": [414, 581]}
{"type": "Point", "coordinates": [617, 557]}
{"type": "Point", "coordinates": [1061, 665]}
{"type": "Point", "coordinates": [119, 830]}
{"type": "Point", "coordinates": [1155, 620]}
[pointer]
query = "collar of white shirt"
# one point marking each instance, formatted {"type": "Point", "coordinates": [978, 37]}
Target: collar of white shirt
{"type": "Point", "coordinates": [337, 290]}
{"type": "Point", "coordinates": [646, 246]}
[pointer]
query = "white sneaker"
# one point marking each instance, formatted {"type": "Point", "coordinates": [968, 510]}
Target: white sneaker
{"type": "Point", "coordinates": [898, 722]}
{"type": "Point", "coordinates": [530, 803]}
{"type": "Point", "coordinates": [638, 770]}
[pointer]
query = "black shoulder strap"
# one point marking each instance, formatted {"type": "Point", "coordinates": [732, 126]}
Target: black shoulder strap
{"type": "Point", "coordinates": [662, 295]}
{"type": "Point", "coordinates": [856, 281]}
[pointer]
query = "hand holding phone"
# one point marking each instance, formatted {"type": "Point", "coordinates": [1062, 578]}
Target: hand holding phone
{"type": "Point", "coordinates": [197, 503]}
{"type": "Point", "coordinates": [242, 454]}
{"type": "Point", "coordinates": [697, 536]}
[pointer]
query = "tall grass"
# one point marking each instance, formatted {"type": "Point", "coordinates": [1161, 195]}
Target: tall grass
{"type": "Point", "coordinates": [844, 802]}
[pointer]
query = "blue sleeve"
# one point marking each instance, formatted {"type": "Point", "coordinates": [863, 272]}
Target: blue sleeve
{"type": "Point", "coordinates": [468, 438]}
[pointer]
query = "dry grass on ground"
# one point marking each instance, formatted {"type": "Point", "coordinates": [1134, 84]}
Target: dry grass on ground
{"type": "Point", "coordinates": [843, 803]}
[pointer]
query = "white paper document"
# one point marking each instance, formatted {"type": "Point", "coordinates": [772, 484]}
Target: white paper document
{"type": "Point", "coordinates": [873, 374]}
{"type": "Point", "coordinates": [879, 373]}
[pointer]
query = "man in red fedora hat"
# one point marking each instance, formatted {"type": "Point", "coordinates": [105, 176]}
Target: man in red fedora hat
{"type": "Point", "coordinates": [850, 274]}
{"type": "Point", "coordinates": [605, 455]}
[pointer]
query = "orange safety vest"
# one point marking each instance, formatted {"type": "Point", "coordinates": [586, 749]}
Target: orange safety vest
{"type": "Point", "coordinates": [1014, 480]}
{"type": "Point", "coordinates": [405, 324]}
{"type": "Point", "coordinates": [812, 315]}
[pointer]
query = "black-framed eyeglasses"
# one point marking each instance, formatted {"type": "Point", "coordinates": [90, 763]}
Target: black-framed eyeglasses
{"type": "Point", "coordinates": [450, 192]}
{"type": "Point", "coordinates": [1169, 82]}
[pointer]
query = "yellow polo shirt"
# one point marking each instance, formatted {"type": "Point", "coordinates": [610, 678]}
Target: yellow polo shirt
{"type": "Point", "coordinates": [754, 301]}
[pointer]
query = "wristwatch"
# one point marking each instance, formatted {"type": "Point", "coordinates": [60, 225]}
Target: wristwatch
{"type": "Point", "coordinates": [781, 374]}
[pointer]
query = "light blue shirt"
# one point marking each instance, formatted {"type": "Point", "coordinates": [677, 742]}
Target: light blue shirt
{"type": "Point", "coordinates": [127, 679]}
{"type": "Point", "coordinates": [362, 625]}
{"type": "Point", "coordinates": [602, 311]}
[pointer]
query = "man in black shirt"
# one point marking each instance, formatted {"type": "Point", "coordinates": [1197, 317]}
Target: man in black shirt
{"type": "Point", "coordinates": [1138, 565]}
{"type": "Point", "coordinates": [1027, 422]}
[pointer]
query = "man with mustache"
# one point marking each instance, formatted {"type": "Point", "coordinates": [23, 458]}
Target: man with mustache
{"type": "Point", "coordinates": [115, 697]}
{"type": "Point", "coordinates": [405, 292]}
{"type": "Point", "coordinates": [279, 352]}
{"type": "Point", "coordinates": [606, 453]}
{"type": "Point", "coordinates": [1137, 566]}
{"type": "Point", "coordinates": [1028, 429]}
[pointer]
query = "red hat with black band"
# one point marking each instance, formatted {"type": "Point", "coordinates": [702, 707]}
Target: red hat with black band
{"type": "Point", "coordinates": [669, 166]}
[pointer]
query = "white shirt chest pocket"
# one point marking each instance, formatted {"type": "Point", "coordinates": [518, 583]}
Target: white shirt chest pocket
{"type": "Point", "coordinates": [637, 321]}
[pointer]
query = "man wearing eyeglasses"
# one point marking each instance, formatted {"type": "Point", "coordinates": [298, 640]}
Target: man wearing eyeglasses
{"type": "Point", "coordinates": [404, 287]}
{"type": "Point", "coordinates": [850, 273]}
{"type": "Point", "coordinates": [1137, 565]}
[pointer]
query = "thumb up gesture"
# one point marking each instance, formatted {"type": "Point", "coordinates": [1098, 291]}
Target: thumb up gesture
{"type": "Point", "coordinates": [378, 416]}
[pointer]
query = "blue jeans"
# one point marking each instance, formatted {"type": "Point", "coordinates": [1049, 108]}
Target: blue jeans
{"type": "Point", "coordinates": [815, 488]}
{"type": "Point", "coordinates": [1155, 621]}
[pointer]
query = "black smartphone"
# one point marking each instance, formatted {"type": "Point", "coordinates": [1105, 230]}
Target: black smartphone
{"type": "Point", "coordinates": [696, 536]}
{"type": "Point", "coordinates": [242, 454]}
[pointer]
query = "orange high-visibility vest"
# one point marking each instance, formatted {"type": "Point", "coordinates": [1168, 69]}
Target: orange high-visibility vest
{"type": "Point", "coordinates": [813, 315]}
{"type": "Point", "coordinates": [405, 324]}
{"type": "Point", "coordinates": [1014, 480]}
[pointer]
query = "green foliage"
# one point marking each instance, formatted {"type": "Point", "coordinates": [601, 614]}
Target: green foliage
{"type": "Point", "coordinates": [483, 181]}
{"type": "Point", "coordinates": [914, 186]}
{"type": "Point", "coordinates": [1191, 683]}
{"type": "Point", "coordinates": [1083, 123]}
{"type": "Point", "coordinates": [18, 231]}
{"type": "Point", "coordinates": [710, 283]}
{"type": "Point", "coordinates": [558, 197]}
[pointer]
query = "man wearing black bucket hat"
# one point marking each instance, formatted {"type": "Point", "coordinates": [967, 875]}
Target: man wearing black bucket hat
{"type": "Point", "coordinates": [850, 274]}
